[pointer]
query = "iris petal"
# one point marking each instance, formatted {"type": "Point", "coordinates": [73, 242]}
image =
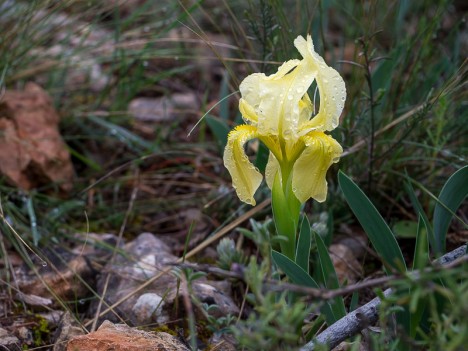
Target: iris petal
{"type": "Point", "coordinates": [248, 113]}
{"type": "Point", "coordinates": [275, 98]}
{"type": "Point", "coordinates": [306, 109]}
{"type": "Point", "coordinates": [271, 169]}
{"type": "Point", "coordinates": [245, 177]}
{"type": "Point", "coordinates": [310, 169]}
{"type": "Point", "coordinates": [331, 87]}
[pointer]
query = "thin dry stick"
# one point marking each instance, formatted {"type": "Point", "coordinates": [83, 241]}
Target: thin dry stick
{"type": "Point", "coordinates": [191, 253]}
{"type": "Point", "coordinates": [114, 253]}
{"type": "Point", "coordinates": [356, 147]}
{"type": "Point", "coordinates": [320, 293]}
{"type": "Point", "coordinates": [366, 315]}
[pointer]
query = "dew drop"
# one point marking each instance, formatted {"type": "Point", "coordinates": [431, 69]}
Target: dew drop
{"type": "Point", "coordinates": [290, 97]}
{"type": "Point", "coordinates": [44, 264]}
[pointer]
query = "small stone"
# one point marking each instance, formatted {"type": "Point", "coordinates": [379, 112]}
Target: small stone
{"type": "Point", "coordinates": [148, 306]}
{"type": "Point", "coordinates": [162, 108]}
{"type": "Point", "coordinates": [25, 335]}
{"type": "Point", "coordinates": [34, 300]}
{"type": "Point", "coordinates": [8, 342]}
{"type": "Point", "coordinates": [120, 337]}
{"type": "Point", "coordinates": [67, 330]}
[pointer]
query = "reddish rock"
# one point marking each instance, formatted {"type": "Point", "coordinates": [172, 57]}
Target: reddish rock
{"type": "Point", "coordinates": [120, 337]}
{"type": "Point", "coordinates": [33, 153]}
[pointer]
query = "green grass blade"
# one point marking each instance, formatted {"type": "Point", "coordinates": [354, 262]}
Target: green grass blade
{"type": "Point", "coordinates": [224, 91]}
{"type": "Point", "coordinates": [300, 277]}
{"type": "Point", "coordinates": [303, 245]}
{"type": "Point", "coordinates": [417, 206]}
{"type": "Point", "coordinates": [125, 136]}
{"type": "Point", "coordinates": [374, 225]}
{"type": "Point", "coordinates": [420, 261]}
{"type": "Point", "coordinates": [328, 276]}
{"type": "Point", "coordinates": [33, 220]}
{"type": "Point", "coordinates": [219, 128]}
{"type": "Point", "coordinates": [295, 273]}
{"type": "Point", "coordinates": [421, 250]}
{"type": "Point", "coordinates": [450, 198]}
{"type": "Point", "coordinates": [354, 301]}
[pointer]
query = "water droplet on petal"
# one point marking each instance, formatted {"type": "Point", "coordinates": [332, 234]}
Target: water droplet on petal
{"type": "Point", "coordinates": [290, 97]}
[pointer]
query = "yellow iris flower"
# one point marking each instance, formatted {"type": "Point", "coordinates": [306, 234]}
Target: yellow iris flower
{"type": "Point", "coordinates": [278, 111]}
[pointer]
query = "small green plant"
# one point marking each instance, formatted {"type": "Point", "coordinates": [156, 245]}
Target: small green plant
{"type": "Point", "coordinates": [410, 316]}
{"type": "Point", "coordinates": [275, 323]}
{"type": "Point", "coordinates": [228, 254]}
{"type": "Point", "coordinates": [217, 325]}
{"type": "Point", "coordinates": [41, 331]}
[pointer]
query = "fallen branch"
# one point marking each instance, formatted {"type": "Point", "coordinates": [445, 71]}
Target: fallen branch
{"type": "Point", "coordinates": [237, 272]}
{"type": "Point", "coordinates": [366, 315]}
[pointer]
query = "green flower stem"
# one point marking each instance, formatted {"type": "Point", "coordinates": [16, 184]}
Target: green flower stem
{"type": "Point", "coordinates": [286, 209]}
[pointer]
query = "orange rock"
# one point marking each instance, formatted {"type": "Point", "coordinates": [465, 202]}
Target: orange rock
{"type": "Point", "coordinates": [120, 337]}
{"type": "Point", "coordinates": [32, 152]}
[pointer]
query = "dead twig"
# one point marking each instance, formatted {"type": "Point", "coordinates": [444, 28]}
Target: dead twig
{"type": "Point", "coordinates": [320, 293]}
{"type": "Point", "coordinates": [366, 315]}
